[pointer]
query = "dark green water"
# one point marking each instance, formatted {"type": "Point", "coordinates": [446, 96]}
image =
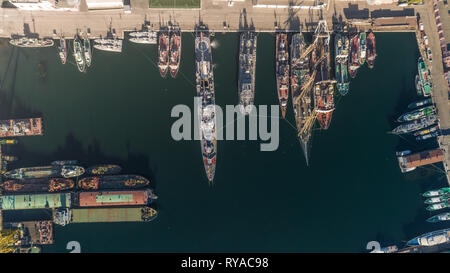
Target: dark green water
{"type": "Point", "coordinates": [353, 191]}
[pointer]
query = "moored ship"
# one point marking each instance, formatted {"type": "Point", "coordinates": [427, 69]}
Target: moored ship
{"type": "Point", "coordinates": [31, 42]}
{"type": "Point", "coordinates": [108, 44]}
{"type": "Point", "coordinates": [301, 80]}
{"type": "Point", "coordinates": [21, 127]}
{"type": "Point", "coordinates": [425, 78]}
{"type": "Point", "coordinates": [427, 136]}
{"type": "Point", "coordinates": [205, 90]}
{"type": "Point", "coordinates": [35, 201]}
{"type": "Point", "coordinates": [163, 52]}
{"type": "Point", "coordinates": [113, 198]}
{"type": "Point", "coordinates": [143, 37]}
{"type": "Point", "coordinates": [417, 114]}
{"type": "Point", "coordinates": [87, 50]}
{"type": "Point", "coordinates": [104, 169]}
{"type": "Point", "coordinates": [66, 171]}
{"type": "Point", "coordinates": [439, 218]}
{"type": "Point", "coordinates": [415, 125]}
{"type": "Point", "coordinates": [354, 55]}
{"type": "Point", "coordinates": [282, 71]}
{"type": "Point", "coordinates": [371, 49]}
{"type": "Point", "coordinates": [113, 182]}
{"type": "Point", "coordinates": [341, 63]}
{"type": "Point", "coordinates": [175, 51]}
{"type": "Point", "coordinates": [439, 192]}
{"type": "Point", "coordinates": [362, 48]}
{"type": "Point", "coordinates": [324, 102]}
{"type": "Point", "coordinates": [247, 66]}
{"type": "Point", "coordinates": [78, 54]}
{"type": "Point", "coordinates": [438, 199]}
{"type": "Point", "coordinates": [432, 238]}
{"type": "Point", "coordinates": [427, 131]}
{"type": "Point", "coordinates": [62, 49]}
{"type": "Point", "coordinates": [420, 103]}
{"type": "Point", "coordinates": [37, 185]}
{"type": "Point", "coordinates": [439, 206]}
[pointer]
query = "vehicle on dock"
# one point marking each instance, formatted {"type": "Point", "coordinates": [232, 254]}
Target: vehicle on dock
{"type": "Point", "coordinates": [104, 169]}
{"type": "Point", "coordinates": [438, 199]}
{"type": "Point", "coordinates": [439, 206]}
{"type": "Point", "coordinates": [37, 185]}
{"type": "Point", "coordinates": [282, 71]}
{"type": "Point", "coordinates": [371, 49]}
{"type": "Point", "coordinates": [342, 45]}
{"type": "Point", "coordinates": [247, 69]}
{"type": "Point", "coordinates": [425, 78]}
{"type": "Point", "coordinates": [427, 131]}
{"type": "Point", "coordinates": [434, 193]}
{"type": "Point", "coordinates": [420, 103]}
{"type": "Point", "coordinates": [113, 182]}
{"type": "Point", "coordinates": [175, 51]}
{"type": "Point", "coordinates": [417, 114]}
{"type": "Point", "coordinates": [432, 238]}
{"type": "Point", "coordinates": [409, 127]}
{"type": "Point", "coordinates": [362, 48]}
{"type": "Point", "coordinates": [87, 50]}
{"type": "Point", "coordinates": [354, 55]}
{"type": "Point", "coordinates": [163, 52]}
{"type": "Point", "coordinates": [113, 198]}
{"type": "Point", "coordinates": [204, 77]}
{"type": "Point", "coordinates": [439, 218]}
{"type": "Point", "coordinates": [143, 37]}
{"type": "Point", "coordinates": [108, 44]}
{"type": "Point", "coordinates": [324, 102]}
{"type": "Point", "coordinates": [31, 42]}
{"type": "Point", "coordinates": [78, 54]}
{"type": "Point", "coordinates": [62, 49]}
{"type": "Point", "coordinates": [301, 87]}
{"type": "Point", "coordinates": [66, 171]}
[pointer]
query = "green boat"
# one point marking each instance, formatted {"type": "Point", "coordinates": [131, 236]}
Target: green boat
{"type": "Point", "coordinates": [439, 206]}
{"type": "Point", "coordinates": [87, 51]}
{"type": "Point", "coordinates": [439, 192]}
{"type": "Point", "coordinates": [439, 218]}
{"type": "Point", "coordinates": [78, 54]}
{"type": "Point", "coordinates": [425, 78]}
{"type": "Point", "coordinates": [417, 114]}
{"type": "Point", "coordinates": [342, 45]}
{"type": "Point", "coordinates": [438, 199]}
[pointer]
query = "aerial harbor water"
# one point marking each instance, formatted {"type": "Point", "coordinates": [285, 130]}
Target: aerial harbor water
{"type": "Point", "coordinates": [352, 192]}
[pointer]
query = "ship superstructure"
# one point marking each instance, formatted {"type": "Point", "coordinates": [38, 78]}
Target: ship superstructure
{"type": "Point", "coordinates": [205, 90]}
{"type": "Point", "coordinates": [247, 66]}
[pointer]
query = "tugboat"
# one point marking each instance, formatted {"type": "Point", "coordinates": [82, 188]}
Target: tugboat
{"type": "Point", "coordinates": [371, 49]}
{"type": "Point", "coordinates": [354, 55]}
{"type": "Point", "coordinates": [247, 65]}
{"type": "Point", "coordinates": [78, 54]}
{"type": "Point", "coordinates": [87, 50]}
{"type": "Point", "coordinates": [62, 49]}
{"type": "Point", "coordinates": [175, 51]}
{"type": "Point", "coordinates": [205, 90]}
{"type": "Point", "coordinates": [362, 48]}
{"type": "Point", "coordinates": [341, 62]}
{"type": "Point", "coordinates": [163, 52]}
{"type": "Point", "coordinates": [282, 71]}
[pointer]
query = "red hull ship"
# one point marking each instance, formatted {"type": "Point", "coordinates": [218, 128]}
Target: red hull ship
{"type": "Point", "coordinates": [113, 198]}
{"type": "Point", "coordinates": [282, 71]}
{"type": "Point", "coordinates": [163, 53]}
{"type": "Point", "coordinates": [324, 101]}
{"type": "Point", "coordinates": [175, 52]}
{"type": "Point", "coordinates": [21, 127]}
{"type": "Point", "coordinates": [371, 49]}
{"type": "Point", "coordinates": [354, 56]}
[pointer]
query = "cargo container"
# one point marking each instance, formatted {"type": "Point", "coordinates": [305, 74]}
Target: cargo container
{"type": "Point", "coordinates": [35, 201]}
{"type": "Point", "coordinates": [113, 198]}
{"type": "Point", "coordinates": [104, 215]}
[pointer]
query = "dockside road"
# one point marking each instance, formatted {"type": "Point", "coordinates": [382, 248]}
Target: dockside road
{"type": "Point", "coordinates": [440, 87]}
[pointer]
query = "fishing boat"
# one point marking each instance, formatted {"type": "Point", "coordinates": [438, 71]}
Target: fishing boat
{"type": "Point", "coordinates": [282, 71]}
{"type": "Point", "coordinates": [420, 103]}
{"type": "Point", "coordinates": [247, 65]}
{"type": "Point", "coordinates": [324, 102]}
{"type": "Point", "coordinates": [354, 55]}
{"type": "Point", "coordinates": [143, 37]}
{"type": "Point", "coordinates": [163, 52]}
{"type": "Point", "coordinates": [438, 199]}
{"type": "Point", "coordinates": [417, 114]}
{"type": "Point", "coordinates": [175, 51]}
{"type": "Point", "coordinates": [301, 86]}
{"type": "Point", "coordinates": [431, 239]}
{"type": "Point", "coordinates": [113, 182]}
{"type": "Point", "coordinates": [427, 131]}
{"type": "Point", "coordinates": [62, 49]}
{"type": "Point", "coordinates": [434, 193]}
{"type": "Point", "coordinates": [415, 125]}
{"type": "Point", "coordinates": [371, 49]}
{"type": "Point", "coordinates": [439, 206]}
{"type": "Point", "coordinates": [87, 50]}
{"type": "Point", "coordinates": [104, 169]}
{"type": "Point", "coordinates": [37, 185]}
{"type": "Point", "coordinates": [108, 44]}
{"type": "Point", "coordinates": [205, 90]}
{"type": "Point", "coordinates": [342, 45]}
{"type": "Point", "coordinates": [362, 48]}
{"type": "Point", "coordinates": [439, 218]}
{"type": "Point", "coordinates": [78, 54]}
{"type": "Point", "coordinates": [425, 78]}
{"type": "Point", "coordinates": [31, 42]}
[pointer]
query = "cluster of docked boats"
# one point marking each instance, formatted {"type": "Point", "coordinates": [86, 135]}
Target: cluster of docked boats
{"type": "Point", "coordinates": [169, 51]}
{"type": "Point", "coordinates": [437, 200]}
{"type": "Point", "coordinates": [82, 51]}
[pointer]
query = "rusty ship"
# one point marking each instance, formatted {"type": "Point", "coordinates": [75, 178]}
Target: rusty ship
{"type": "Point", "coordinates": [175, 51]}
{"type": "Point", "coordinates": [113, 182]}
{"type": "Point", "coordinates": [37, 185]}
{"type": "Point", "coordinates": [371, 49]}
{"type": "Point", "coordinates": [104, 169]}
{"type": "Point", "coordinates": [163, 52]}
